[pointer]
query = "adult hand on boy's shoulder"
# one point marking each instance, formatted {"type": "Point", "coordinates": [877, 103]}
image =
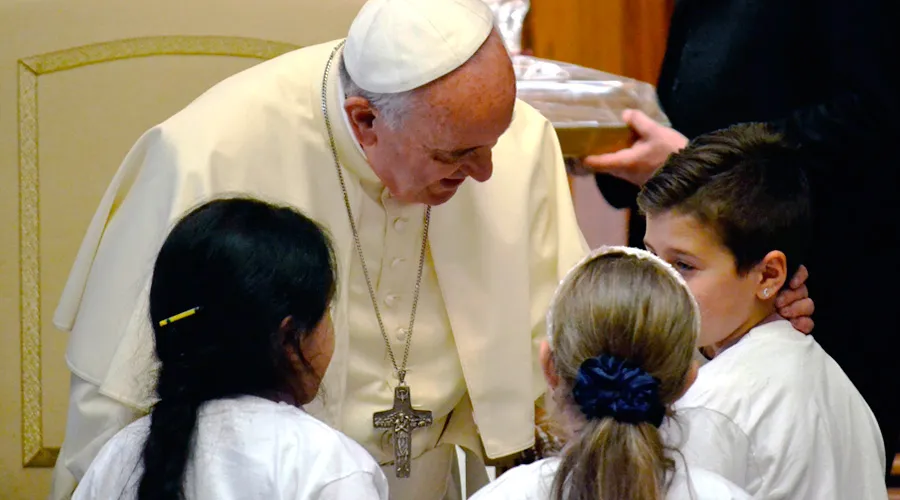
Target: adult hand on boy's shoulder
{"type": "Point", "coordinates": [793, 302]}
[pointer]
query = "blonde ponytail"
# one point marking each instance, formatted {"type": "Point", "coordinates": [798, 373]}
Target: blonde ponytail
{"type": "Point", "coordinates": [610, 460]}
{"type": "Point", "coordinates": [623, 326]}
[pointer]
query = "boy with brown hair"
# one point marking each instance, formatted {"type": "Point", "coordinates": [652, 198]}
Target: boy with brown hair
{"type": "Point", "coordinates": [771, 411]}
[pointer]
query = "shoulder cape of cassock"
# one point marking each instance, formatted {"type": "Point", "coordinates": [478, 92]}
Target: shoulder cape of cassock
{"type": "Point", "coordinates": [499, 248]}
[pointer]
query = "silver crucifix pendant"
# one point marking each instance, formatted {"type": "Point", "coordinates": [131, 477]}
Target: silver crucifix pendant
{"type": "Point", "coordinates": [400, 422]}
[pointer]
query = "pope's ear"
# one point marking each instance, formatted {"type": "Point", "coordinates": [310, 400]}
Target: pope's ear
{"type": "Point", "coordinates": [361, 116]}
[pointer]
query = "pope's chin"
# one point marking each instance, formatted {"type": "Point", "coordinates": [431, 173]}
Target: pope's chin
{"type": "Point", "coordinates": [441, 191]}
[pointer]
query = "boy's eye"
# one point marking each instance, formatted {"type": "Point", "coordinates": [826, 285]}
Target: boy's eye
{"type": "Point", "coordinates": [683, 266]}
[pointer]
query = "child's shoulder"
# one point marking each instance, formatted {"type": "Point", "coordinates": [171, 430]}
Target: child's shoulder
{"type": "Point", "coordinates": [723, 381]}
{"type": "Point", "coordinates": [130, 437]}
{"type": "Point", "coordinates": [699, 484]}
{"type": "Point", "coordinates": [525, 482]}
{"type": "Point", "coordinates": [254, 422]}
{"type": "Point", "coordinates": [767, 358]}
{"type": "Point", "coordinates": [771, 373]}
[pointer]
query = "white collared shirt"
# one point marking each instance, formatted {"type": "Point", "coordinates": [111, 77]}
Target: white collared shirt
{"type": "Point", "coordinates": [777, 416]}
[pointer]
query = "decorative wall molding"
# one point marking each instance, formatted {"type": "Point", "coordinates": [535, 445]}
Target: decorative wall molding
{"type": "Point", "coordinates": [30, 69]}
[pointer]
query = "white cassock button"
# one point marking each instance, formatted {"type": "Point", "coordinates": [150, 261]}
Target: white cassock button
{"type": "Point", "coordinates": [396, 262]}
{"type": "Point", "coordinates": [401, 334]}
{"type": "Point", "coordinates": [390, 300]}
{"type": "Point", "coordinates": [399, 224]}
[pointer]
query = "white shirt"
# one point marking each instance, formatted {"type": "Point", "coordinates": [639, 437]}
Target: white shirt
{"type": "Point", "coordinates": [246, 448]}
{"type": "Point", "coordinates": [535, 481]}
{"type": "Point", "coordinates": [777, 416]}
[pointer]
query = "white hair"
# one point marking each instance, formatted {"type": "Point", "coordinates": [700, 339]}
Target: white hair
{"type": "Point", "coordinates": [393, 107]}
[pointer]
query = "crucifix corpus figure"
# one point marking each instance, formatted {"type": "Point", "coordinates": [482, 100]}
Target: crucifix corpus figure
{"type": "Point", "coordinates": [400, 422]}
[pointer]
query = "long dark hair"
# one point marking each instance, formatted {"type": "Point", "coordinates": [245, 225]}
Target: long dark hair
{"type": "Point", "coordinates": [247, 265]}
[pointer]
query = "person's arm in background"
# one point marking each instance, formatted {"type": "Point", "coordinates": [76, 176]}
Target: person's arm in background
{"type": "Point", "coordinates": [861, 113]}
{"type": "Point", "coordinates": [618, 192]}
{"type": "Point", "coordinates": [621, 194]}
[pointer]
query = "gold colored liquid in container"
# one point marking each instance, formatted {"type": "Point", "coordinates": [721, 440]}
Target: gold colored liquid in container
{"type": "Point", "coordinates": [579, 142]}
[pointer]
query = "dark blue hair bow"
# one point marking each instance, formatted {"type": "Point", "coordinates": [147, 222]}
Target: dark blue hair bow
{"type": "Point", "coordinates": [608, 386]}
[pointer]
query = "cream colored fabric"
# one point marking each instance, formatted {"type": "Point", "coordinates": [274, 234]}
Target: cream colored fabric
{"type": "Point", "coordinates": [498, 249]}
{"type": "Point", "coordinates": [437, 475]}
{"type": "Point", "coordinates": [399, 45]}
{"type": "Point", "coordinates": [391, 237]}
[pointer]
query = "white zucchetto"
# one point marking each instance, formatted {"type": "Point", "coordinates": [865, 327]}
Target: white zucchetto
{"type": "Point", "coordinates": [399, 45]}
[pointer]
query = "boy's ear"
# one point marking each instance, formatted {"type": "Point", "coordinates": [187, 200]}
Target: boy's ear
{"type": "Point", "coordinates": [773, 275]}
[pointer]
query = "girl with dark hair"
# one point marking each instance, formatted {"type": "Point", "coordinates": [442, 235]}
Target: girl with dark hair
{"type": "Point", "coordinates": [239, 303]}
{"type": "Point", "coordinates": [623, 328]}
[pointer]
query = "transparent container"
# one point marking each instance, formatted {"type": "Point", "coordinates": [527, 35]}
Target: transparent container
{"type": "Point", "coordinates": [584, 105]}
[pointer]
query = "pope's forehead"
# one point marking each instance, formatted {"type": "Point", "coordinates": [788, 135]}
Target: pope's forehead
{"type": "Point", "coordinates": [458, 127]}
{"type": "Point", "coordinates": [473, 96]}
{"type": "Point", "coordinates": [478, 90]}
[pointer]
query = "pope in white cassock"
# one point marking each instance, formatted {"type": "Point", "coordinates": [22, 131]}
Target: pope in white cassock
{"type": "Point", "coordinates": [443, 283]}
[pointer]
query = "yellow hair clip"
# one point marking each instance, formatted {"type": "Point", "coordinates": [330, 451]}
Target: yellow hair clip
{"type": "Point", "coordinates": [170, 320]}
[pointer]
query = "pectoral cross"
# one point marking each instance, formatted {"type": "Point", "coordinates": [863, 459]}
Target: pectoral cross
{"type": "Point", "coordinates": [400, 422]}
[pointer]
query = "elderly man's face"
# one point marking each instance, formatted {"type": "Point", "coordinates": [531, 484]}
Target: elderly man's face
{"type": "Point", "coordinates": [448, 132]}
{"type": "Point", "coordinates": [434, 150]}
